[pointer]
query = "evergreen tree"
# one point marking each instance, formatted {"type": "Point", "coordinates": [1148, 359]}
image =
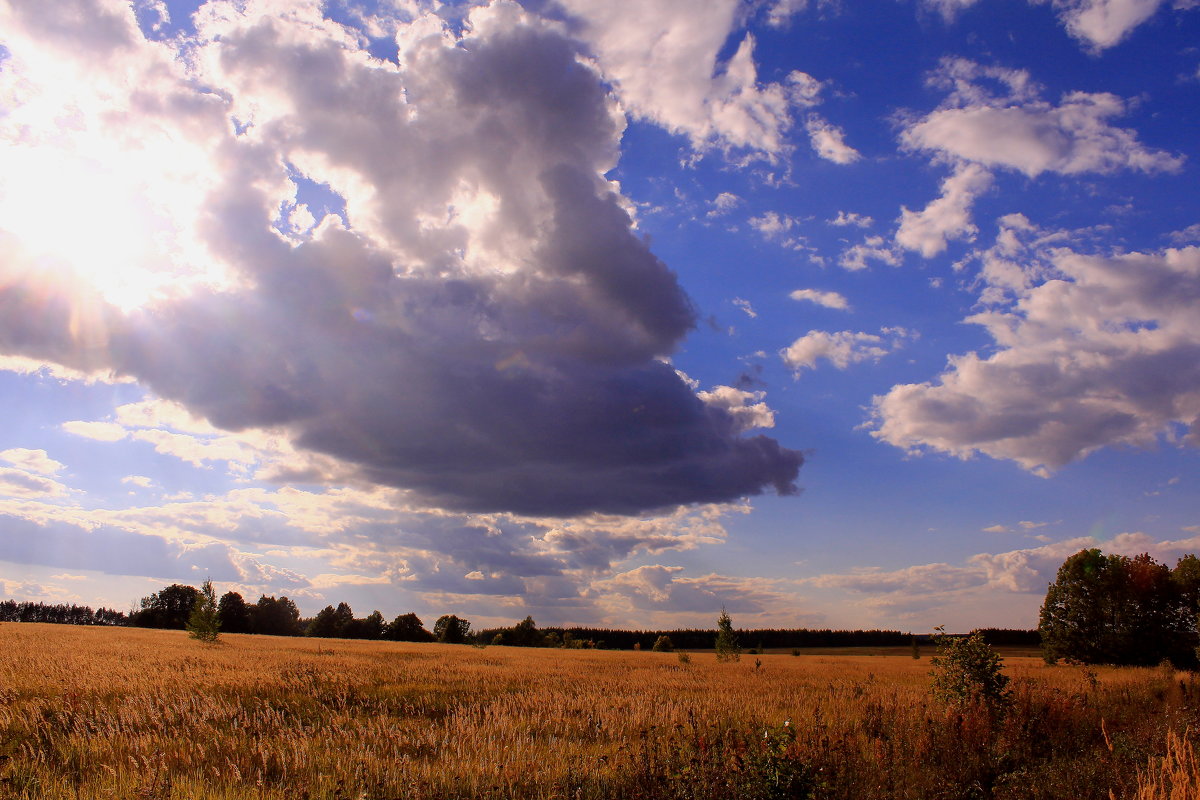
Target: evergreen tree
{"type": "Point", "coordinates": [727, 645]}
{"type": "Point", "coordinates": [204, 622]}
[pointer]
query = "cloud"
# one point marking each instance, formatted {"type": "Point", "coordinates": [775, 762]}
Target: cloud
{"type": "Point", "coordinates": [873, 248]}
{"type": "Point", "coordinates": [662, 57]}
{"type": "Point", "coordinates": [745, 407]}
{"type": "Point", "coordinates": [858, 220]}
{"type": "Point", "coordinates": [828, 141]}
{"type": "Point", "coordinates": [1017, 130]}
{"type": "Point", "coordinates": [745, 306]}
{"type": "Point", "coordinates": [20, 483]}
{"type": "Point", "coordinates": [31, 460]}
{"type": "Point", "coordinates": [826, 299]}
{"type": "Point", "coordinates": [482, 327]}
{"type": "Point", "coordinates": [1090, 351]}
{"type": "Point", "coordinates": [1104, 23]}
{"type": "Point", "coordinates": [841, 349]}
{"type": "Point", "coordinates": [948, 217]}
{"type": "Point", "coordinates": [100, 431]}
{"type": "Point", "coordinates": [724, 203]}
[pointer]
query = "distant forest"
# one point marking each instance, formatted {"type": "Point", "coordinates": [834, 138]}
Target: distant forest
{"type": "Point", "coordinates": [279, 617]}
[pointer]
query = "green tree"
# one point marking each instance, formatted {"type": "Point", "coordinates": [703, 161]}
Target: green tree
{"type": "Point", "coordinates": [407, 628]}
{"type": "Point", "coordinates": [325, 625]}
{"type": "Point", "coordinates": [167, 608]}
{"type": "Point", "coordinates": [451, 630]}
{"type": "Point", "coordinates": [233, 613]}
{"type": "Point", "coordinates": [204, 623]}
{"type": "Point", "coordinates": [1111, 609]}
{"type": "Point", "coordinates": [727, 645]}
{"type": "Point", "coordinates": [275, 617]}
{"type": "Point", "coordinates": [663, 644]}
{"type": "Point", "coordinates": [967, 670]}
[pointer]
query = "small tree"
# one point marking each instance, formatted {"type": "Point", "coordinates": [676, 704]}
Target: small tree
{"type": "Point", "coordinates": [967, 670]}
{"type": "Point", "coordinates": [663, 645]}
{"type": "Point", "coordinates": [204, 622]}
{"type": "Point", "coordinates": [727, 645]}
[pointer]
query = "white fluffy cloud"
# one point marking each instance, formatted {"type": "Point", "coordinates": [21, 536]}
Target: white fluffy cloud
{"type": "Point", "coordinates": [946, 218]}
{"type": "Point", "coordinates": [1090, 351]}
{"type": "Point", "coordinates": [1016, 129]}
{"type": "Point", "coordinates": [826, 299]}
{"type": "Point", "coordinates": [842, 348]}
{"type": "Point", "coordinates": [1103, 23]}
{"type": "Point", "coordinates": [662, 57]}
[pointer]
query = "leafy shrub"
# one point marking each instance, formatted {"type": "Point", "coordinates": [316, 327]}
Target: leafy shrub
{"type": "Point", "coordinates": [967, 670]}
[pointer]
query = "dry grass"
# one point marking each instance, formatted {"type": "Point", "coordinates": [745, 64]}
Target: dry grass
{"type": "Point", "coordinates": [119, 713]}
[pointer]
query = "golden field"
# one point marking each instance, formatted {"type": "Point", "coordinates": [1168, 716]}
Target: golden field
{"type": "Point", "coordinates": [129, 713]}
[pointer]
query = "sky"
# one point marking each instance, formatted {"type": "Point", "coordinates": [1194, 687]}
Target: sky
{"type": "Point", "coordinates": [832, 313]}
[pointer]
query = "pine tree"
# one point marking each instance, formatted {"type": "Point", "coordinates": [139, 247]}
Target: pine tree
{"type": "Point", "coordinates": [727, 643]}
{"type": "Point", "coordinates": [204, 622]}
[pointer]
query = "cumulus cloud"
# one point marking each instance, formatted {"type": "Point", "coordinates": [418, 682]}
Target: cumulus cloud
{"type": "Point", "coordinates": [482, 325]}
{"type": "Point", "coordinates": [724, 203]}
{"type": "Point", "coordinates": [828, 141]}
{"type": "Point", "coordinates": [826, 299]}
{"type": "Point", "coordinates": [1016, 129]}
{"type": "Point", "coordinates": [842, 348]}
{"type": "Point", "coordinates": [844, 219]}
{"type": "Point", "coordinates": [662, 56]}
{"type": "Point", "coordinates": [1103, 23]}
{"type": "Point", "coordinates": [745, 407]}
{"type": "Point", "coordinates": [31, 460]}
{"type": "Point", "coordinates": [858, 257]}
{"type": "Point", "coordinates": [946, 218]}
{"type": "Point", "coordinates": [1090, 351]}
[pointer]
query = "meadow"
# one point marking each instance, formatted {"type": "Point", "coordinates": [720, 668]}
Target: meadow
{"type": "Point", "coordinates": [88, 712]}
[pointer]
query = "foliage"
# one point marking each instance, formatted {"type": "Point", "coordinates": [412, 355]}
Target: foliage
{"type": "Point", "coordinates": [59, 614]}
{"type": "Point", "coordinates": [450, 629]}
{"type": "Point", "coordinates": [233, 613]}
{"type": "Point", "coordinates": [663, 645]}
{"type": "Point", "coordinates": [726, 645]}
{"type": "Point", "coordinates": [1111, 609]}
{"type": "Point", "coordinates": [407, 628]}
{"type": "Point", "coordinates": [167, 608]}
{"type": "Point", "coordinates": [330, 622]}
{"type": "Point", "coordinates": [204, 623]}
{"type": "Point", "coordinates": [275, 617]}
{"type": "Point", "coordinates": [967, 670]}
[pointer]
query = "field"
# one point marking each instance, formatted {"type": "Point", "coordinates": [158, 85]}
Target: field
{"type": "Point", "coordinates": [126, 713]}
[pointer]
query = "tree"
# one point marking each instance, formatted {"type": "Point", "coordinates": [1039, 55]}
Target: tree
{"type": "Point", "coordinates": [204, 623]}
{"type": "Point", "coordinates": [967, 670]}
{"type": "Point", "coordinates": [324, 625]}
{"type": "Point", "coordinates": [275, 617]}
{"type": "Point", "coordinates": [727, 645]}
{"type": "Point", "coordinates": [167, 608]}
{"type": "Point", "coordinates": [369, 627]}
{"type": "Point", "coordinates": [524, 634]}
{"type": "Point", "coordinates": [407, 628]}
{"type": "Point", "coordinates": [663, 644]}
{"type": "Point", "coordinates": [1111, 609]}
{"type": "Point", "coordinates": [449, 629]}
{"type": "Point", "coordinates": [233, 613]}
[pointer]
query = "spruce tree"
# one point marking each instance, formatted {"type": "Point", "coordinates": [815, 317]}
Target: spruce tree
{"type": "Point", "coordinates": [727, 644]}
{"type": "Point", "coordinates": [204, 622]}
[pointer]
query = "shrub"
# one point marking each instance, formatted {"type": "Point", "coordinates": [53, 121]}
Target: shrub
{"type": "Point", "coordinates": [967, 670]}
{"type": "Point", "coordinates": [663, 645]}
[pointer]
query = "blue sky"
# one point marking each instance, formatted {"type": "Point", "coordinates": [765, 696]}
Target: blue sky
{"type": "Point", "coordinates": [836, 314]}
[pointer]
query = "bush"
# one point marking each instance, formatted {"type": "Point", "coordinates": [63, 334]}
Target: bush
{"type": "Point", "coordinates": [663, 645]}
{"type": "Point", "coordinates": [967, 670]}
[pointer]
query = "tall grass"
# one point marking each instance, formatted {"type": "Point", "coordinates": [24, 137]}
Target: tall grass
{"type": "Point", "coordinates": [119, 713]}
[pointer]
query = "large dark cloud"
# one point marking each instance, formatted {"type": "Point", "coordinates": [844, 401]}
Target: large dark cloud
{"type": "Point", "coordinates": [488, 332]}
